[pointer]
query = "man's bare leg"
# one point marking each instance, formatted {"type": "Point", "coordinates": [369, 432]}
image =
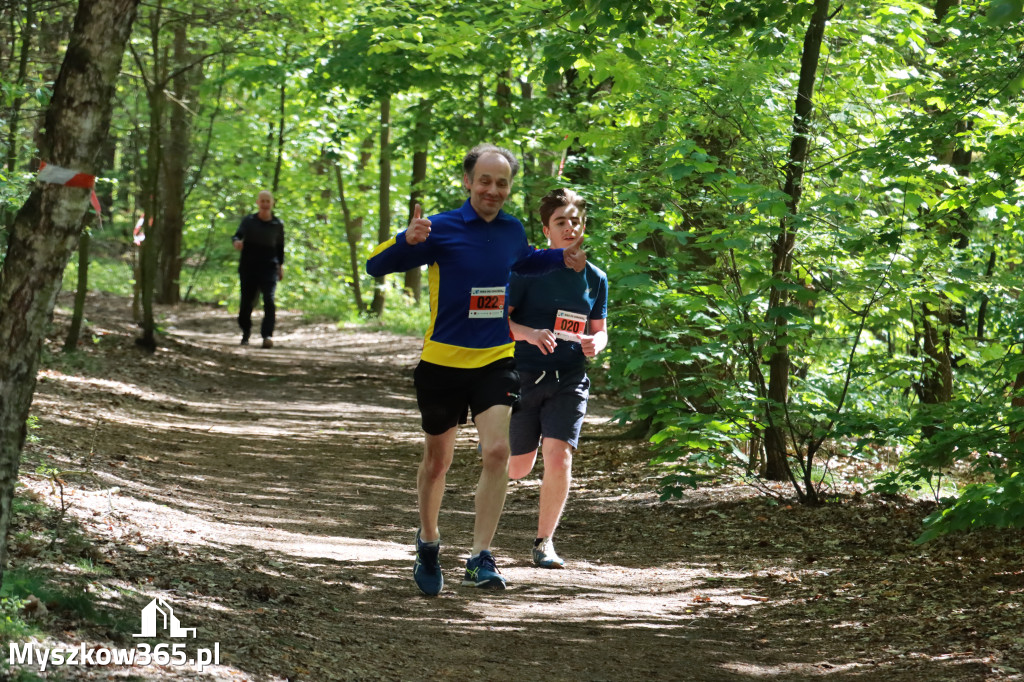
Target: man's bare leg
{"type": "Point", "coordinates": [492, 425]}
{"type": "Point", "coordinates": [437, 457]}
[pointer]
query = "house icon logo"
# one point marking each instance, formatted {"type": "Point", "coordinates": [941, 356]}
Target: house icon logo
{"type": "Point", "coordinates": [158, 611]}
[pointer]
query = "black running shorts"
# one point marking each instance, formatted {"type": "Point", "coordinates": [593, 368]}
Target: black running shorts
{"type": "Point", "coordinates": [447, 395]}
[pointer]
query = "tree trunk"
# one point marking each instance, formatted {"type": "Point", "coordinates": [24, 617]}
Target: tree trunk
{"type": "Point", "coordinates": [74, 331]}
{"type": "Point", "coordinates": [1017, 400]}
{"type": "Point", "coordinates": [414, 278]}
{"type": "Point", "coordinates": [151, 193]}
{"type": "Point", "coordinates": [176, 163]}
{"type": "Point", "coordinates": [936, 387]}
{"type": "Point", "coordinates": [421, 135]}
{"type": "Point", "coordinates": [384, 228]}
{"type": "Point", "coordinates": [776, 465]}
{"type": "Point", "coordinates": [280, 135]}
{"type": "Point", "coordinates": [47, 227]}
{"type": "Point", "coordinates": [54, 31]}
{"type": "Point", "coordinates": [14, 115]}
{"type": "Point", "coordinates": [15, 110]}
{"type": "Point", "coordinates": [353, 234]}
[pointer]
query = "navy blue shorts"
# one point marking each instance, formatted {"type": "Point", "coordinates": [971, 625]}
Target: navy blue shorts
{"type": "Point", "coordinates": [552, 405]}
{"type": "Point", "coordinates": [446, 395]}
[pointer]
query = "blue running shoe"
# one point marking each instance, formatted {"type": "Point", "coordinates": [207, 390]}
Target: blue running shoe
{"type": "Point", "coordinates": [481, 572]}
{"type": "Point", "coordinates": [427, 569]}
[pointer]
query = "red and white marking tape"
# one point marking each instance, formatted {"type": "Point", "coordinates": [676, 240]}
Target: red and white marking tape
{"type": "Point", "coordinates": [68, 178]}
{"type": "Point", "coordinates": [62, 176]}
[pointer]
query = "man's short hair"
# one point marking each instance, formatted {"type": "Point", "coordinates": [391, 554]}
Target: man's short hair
{"type": "Point", "coordinates": [474, 154]}
{"type": "Point", "coordinates": [557, 198]}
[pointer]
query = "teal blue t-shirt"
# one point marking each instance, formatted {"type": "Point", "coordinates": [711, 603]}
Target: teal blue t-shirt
{"type": "Point", "coordinates": [562, 301]}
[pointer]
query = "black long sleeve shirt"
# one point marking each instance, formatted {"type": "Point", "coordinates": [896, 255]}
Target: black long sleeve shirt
{"type": "Point", "coordinates": [263, 242]}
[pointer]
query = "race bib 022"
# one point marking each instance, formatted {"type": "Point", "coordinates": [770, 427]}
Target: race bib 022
{"type": "Point", "coordinates": [486, 302]}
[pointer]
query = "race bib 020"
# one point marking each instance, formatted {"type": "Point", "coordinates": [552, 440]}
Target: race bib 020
{"type": "Point", "coordinates": [569, 326]}
{"type": "Point", "coordinates": [487, 302]}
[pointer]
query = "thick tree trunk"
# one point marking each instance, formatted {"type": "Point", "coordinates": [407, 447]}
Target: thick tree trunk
{"type": "Point", "coordinates": [47, 227]}
{"type": "Point", "coordinates": [384, 228]}
{"type": "Point", "coordinates": [776, 465]}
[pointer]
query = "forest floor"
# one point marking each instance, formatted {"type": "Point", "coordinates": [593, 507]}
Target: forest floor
{"type": "Point", "coordinates": [267, 496]}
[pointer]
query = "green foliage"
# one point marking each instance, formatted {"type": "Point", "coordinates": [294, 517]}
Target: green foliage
{"type": "Point", "coordinates": [404, 316]}
{"type": "Point", "coordinates": [12, 625]}
{"type": "Point", "coordinates": [21, 583]}
{"type": "Point", "coordinates": [997, 504]}
{"type": "Point", "coordinates": [105, 274]}
{"type": "Point", "coordinates": [32, 425]}
{"type": "Point", "coordinates": [1004, 11]}
{"type": "Point", "coordinates": [674, 119]}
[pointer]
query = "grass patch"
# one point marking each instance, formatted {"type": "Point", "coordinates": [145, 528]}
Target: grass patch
{"type": "Point", "coordinates": [403, 315]}
{"type": "Point", "coordinates": [112, 275]}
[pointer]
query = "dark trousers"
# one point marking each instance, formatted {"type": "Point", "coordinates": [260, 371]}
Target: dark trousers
{"type": "Point", "coordinates": [253, 282]}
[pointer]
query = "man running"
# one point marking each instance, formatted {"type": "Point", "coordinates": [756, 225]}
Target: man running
{"type": "Point", "coordinates": [466, 365]}
{"type": "Point", "coordinates": [260, 238]}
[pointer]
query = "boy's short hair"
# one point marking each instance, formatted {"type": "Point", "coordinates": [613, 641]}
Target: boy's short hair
{"type": "Point", "coordinates": [557, 198]}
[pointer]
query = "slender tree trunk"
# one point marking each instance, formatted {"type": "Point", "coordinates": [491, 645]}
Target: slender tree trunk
{"type": "Point", "coordinates": [353, 234]}
{"type": "Point", "coordinates": [414, 278]}
{"type": "Point", "coordinates": [280, 135]}
{"type": "Point", "coordinates": [776, 464]}
{"type": "Point", "coordinates": [384, 229]}
{"type": "Point", "coordinates": [176, 163]}
{"type": "Point", "coordinates": [15, 112]}
{"type": "Point", "coordinates": [421, 139]}
{"type": "Point", "coordinates": [74, 331]}
{"type": "Point", "coordinates": [937, 374]}
{"type": "Point", "coordinates": [529, 216]}
{"type": "Point", "coordinates": [983, 308]}
{"type": "Point", "coordinates": [503, 97]}
{"type": "Point", "coordinates": [151, 187]}
{"type": "Point", "coordinates": [14, 116]}
{"type": "Point", "coordinates": [47, 227]}
{"type": "Point", "coordinates": [1017, 401]}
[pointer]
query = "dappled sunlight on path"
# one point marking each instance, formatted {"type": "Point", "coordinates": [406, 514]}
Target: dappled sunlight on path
{"type": "Point", "coordinates": [270, 495]}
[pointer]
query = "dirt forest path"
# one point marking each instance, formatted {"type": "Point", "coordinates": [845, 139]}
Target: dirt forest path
{"type": "Point", "coordinates": [268, 495]}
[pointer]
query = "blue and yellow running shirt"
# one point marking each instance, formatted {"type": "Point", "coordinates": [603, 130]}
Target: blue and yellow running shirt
{"type": "Point", "coordinates": [469, 261]}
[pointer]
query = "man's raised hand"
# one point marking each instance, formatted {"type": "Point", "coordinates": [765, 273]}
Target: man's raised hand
{"type": "Point", "coordinates": [419, 227]}
{"type": "Point", "coordinates": [575, 256]}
